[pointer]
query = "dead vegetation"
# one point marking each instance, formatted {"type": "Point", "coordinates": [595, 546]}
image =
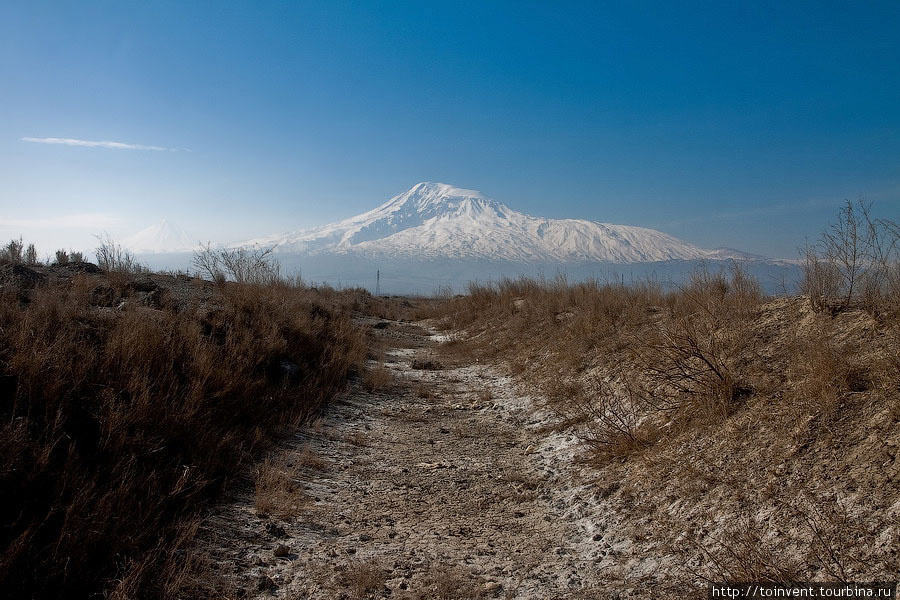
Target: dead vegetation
{"type": "Point", "coordinates": [377, 378]}
{"type": "Point", "coordinates": [770, 423]}
{"type": "Point", "coordinates": [128, 400]}
{"type": "Point", "coordinates": [446, 582]}
{"type": "Point", "coordinates": [277, 489]}
{"type": "Point", "coordinates": [364, 578]}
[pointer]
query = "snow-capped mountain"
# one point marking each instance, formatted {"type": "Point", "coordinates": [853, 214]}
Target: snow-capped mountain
{"type": "Point", "coordinates": [161, 237]}
{"type": "Point", "coordinates": [436, 220]}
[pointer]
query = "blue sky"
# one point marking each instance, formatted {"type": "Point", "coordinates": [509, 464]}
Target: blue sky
{"type": "Point", "coordinates": [743, 124]}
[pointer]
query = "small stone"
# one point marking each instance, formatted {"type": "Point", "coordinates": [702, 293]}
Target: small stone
{"type": "Point", "coordinates": [365, 538]}
{"type": "Point", "coordinates": [491, 586]}
{"type": "Point", "coordinates": [265, 583]}
{"type": "Point", "coordinates": [281, 551]}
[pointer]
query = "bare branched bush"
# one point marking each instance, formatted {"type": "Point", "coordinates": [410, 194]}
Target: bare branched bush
{"type": "Point", "coordinates": [208, 263]}
{"type": "Point", "coordinates": [856, 261]}
{"type": "Point", "coordinates": [114, 257]}
{"type": "Point", "coordinates": [614, 416]}
{"type": "Point", "coordinates": [30, 257]}
{"type": "Point", "coordinates": [255, 265]}
{"type": "Point", "coordinates": [821, 280]}
{"type": "Point", "coordinates": [744, 554]}
{"type": "Point", "coordinates": [12, 252]}
{"type": "Point", "coordinates": [690, 357]}
{"type": "Point", "coordinates": [848, 245]}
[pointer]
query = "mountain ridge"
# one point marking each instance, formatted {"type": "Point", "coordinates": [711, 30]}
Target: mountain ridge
{"type": "Point", "coordinates": [438, 220]}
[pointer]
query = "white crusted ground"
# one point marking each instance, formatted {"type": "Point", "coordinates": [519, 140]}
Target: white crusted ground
{"type": "Point", "coordinates": [460, 493]}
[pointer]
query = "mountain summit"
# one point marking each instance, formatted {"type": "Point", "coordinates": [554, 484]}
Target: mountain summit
{"type": "Point", "coordinates": [437, 220]}
{"type": "Point", "coordinates": [164, 236]}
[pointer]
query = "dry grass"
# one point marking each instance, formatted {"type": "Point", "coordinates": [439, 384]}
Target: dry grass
{"type": "Point", "coordinates": [310, 460]}
{"type": "Point", "coordinates": [118, 425]}
{"type": "Point", "coordinates": [425, 391]}
{"type": "Point", "coordinates": [750, 438]}
{"type": "Point", "coordinates": [364, 578]}
{"type": "Point", "coordinates": [278, 490]}
{"type": "Point", "coordinates": [357, 438]}
{"type": "Point", "coordinates": [661, 353]}
{"type": "Point", "coordinates": [451, 583]}
{"type": "Point", "coordinates": [378, 378]}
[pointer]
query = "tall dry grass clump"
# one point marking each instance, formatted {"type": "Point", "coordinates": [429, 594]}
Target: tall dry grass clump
{"type": "Point", "coordinates": [117, 425]}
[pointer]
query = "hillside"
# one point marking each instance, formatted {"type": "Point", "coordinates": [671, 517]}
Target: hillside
{"type": "Point", "coordinates": [724, 436]}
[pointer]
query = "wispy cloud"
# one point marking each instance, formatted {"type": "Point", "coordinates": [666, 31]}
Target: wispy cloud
{"type": "Point", "coordinates": [88, 221]}
{"type": "Point", "coordinates": [95, 144]}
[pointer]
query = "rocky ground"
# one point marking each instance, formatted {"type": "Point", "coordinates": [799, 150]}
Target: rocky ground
{"type": "Point", "coordinates": [444, 483]}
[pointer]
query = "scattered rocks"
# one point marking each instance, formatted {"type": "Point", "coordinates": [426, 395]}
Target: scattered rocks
{"type": "Point", "coordinates": [81, 266]}
{"type": "Point", "coordinates": [275, 530]}
{"type": "Point", "coordinates": [265, 583]}
{"type": "Point", "coordinates": [20, 276]}
{"type": "Point", "coordinates": [426, 365]}
{"type": "Point", "coordinates": [144, 284]}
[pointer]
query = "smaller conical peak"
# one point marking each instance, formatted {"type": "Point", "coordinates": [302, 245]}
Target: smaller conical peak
{"type": "Point", "coordinates": [159, 237]}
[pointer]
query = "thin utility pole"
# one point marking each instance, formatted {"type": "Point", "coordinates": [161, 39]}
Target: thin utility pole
{"type": "Point", "coordinates": [378, 282]}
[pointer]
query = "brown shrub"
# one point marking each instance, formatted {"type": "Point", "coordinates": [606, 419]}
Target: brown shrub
{"type": "Point", "coordinates": [377, 378]}
{"type": "Point", "coordinates": [278, 491]}
{"type": "Point", "coordinates": [363, 578]}
{"type": "Point", "coordinates": [450, 583]}
{"type": "Point", "coordinates": [118, 425]}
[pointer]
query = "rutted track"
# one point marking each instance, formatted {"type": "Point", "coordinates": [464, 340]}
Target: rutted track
{"type": "Point", "coordinates": [440, 485]}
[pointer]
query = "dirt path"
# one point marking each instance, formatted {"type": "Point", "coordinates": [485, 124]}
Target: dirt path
{"type": "Point", "coordinates": [441, 485]}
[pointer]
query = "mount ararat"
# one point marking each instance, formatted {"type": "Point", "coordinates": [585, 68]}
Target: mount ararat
{"type": "Point", "coordinates": [440, 221]}
{"type": "Point", "coordinates": [436, 235]}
